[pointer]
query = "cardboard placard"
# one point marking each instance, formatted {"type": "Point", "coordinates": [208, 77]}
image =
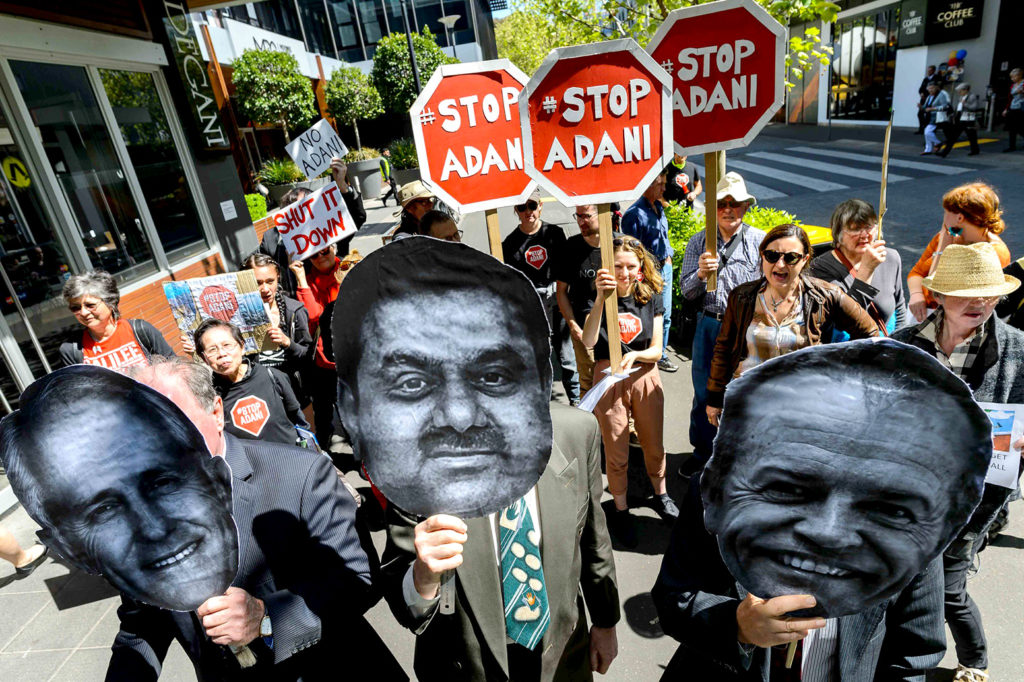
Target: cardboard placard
{"type": "Point", "coordinates": [313, 150]}
{"type": "Point", "coordinates": [1007, 428]}
{"type": "Point", "coordinates": [232, 297]}
{"type": "Point", "coordinates": [314, 223]}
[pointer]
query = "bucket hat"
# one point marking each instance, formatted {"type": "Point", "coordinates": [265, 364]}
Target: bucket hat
{"type": "Point", "coordinates": [970, 271]}
{"type": "Point", "coordinates": [732, 185]}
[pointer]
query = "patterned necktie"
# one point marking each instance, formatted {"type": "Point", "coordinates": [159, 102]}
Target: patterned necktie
{"type": "Point", "coordinates": [522, 578]}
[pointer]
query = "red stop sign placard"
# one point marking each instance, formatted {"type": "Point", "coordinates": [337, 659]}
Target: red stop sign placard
{"type": "Point", "coordinates": [597, 123]}
{"type": "Point", "coordinates": [218, 301]}
{"type": "Point", "coordinates": [466, 127]}
{"type": "Point", "coordinates": [727, 60]}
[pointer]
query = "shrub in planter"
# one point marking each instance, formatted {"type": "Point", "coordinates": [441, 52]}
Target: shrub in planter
{"type": "Point", "coordinates": [403, 154]}
{"type": "Point", "coordinates": [257, 206]}
{"type": "Point", "coordinates": [272, 90]}
{"type": "Point", "coordinates": [362, 154]}
{"type": "Point", "coordinates": [351, 97]}
{"type": "Point", "coordinates": [392, 70]}
{"type": "Point", "coordinates": [280, 172]}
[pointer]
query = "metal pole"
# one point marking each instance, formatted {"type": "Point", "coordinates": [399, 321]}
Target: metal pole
{"type": "Point", "coordinates": [330, 29]}
{"type": "Point", "coordinates": [412, 52]}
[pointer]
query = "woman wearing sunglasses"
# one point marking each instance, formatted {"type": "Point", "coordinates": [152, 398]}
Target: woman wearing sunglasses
{"type": "Point", "coordinates": [970, 214]}
{"type": "Point", "coordinates": [637, 285]}
{"type": "Point", "coordinates": [779, 313]}
{"type": "Point", "coordinates": [862, 266]}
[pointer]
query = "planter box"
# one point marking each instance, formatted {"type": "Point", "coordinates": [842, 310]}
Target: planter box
{"type": "Point", "coordinates": [367, 177]}
{"type": "Point", "coordinates": [404, 177]}
{"type": "Point", "coordinates": [278, 191]}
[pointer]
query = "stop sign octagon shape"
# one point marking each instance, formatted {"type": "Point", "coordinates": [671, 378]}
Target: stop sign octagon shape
{"type": "Point", "coordinates": [466, 127]}
{"type": "Point", "coordinates": [727, 63]}
{"type": "Point", "coordinates": [597, 124]}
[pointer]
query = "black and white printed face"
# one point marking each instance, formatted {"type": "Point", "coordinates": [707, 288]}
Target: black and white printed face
{"type": "Point", "coordinates": [846, 503]}
{"type": "Point", "coordinates": [131, 500]}
{"type": "Point", "coordinates": [451, 408]}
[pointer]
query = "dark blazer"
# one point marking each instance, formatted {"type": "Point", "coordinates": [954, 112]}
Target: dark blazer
{"type": "Point", "coordinates": [577, 554]}
{"type": "Point", "coordinates": [696, 598]}
{"type": "Point", "coordinates": [299, 553]}
{"type": "Point", "coordinates": [149, 337]}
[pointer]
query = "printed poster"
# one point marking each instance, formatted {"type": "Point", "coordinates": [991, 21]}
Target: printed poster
{"type": "Point", "coordinates": [232, 297]}
{"type": "Point", "coordinates": [1007, 428]}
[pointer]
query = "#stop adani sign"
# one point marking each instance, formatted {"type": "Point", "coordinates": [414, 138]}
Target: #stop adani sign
{"type": "Point", "coordinates": [597, 123]}
{"type": "Point", "coordinates": [727, 60]}
{"type": "Point", "coordinates": [466, 126]}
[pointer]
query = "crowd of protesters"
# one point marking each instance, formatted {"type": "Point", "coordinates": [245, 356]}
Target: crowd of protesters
{"type": "Point", "coordinates": [772, 297]}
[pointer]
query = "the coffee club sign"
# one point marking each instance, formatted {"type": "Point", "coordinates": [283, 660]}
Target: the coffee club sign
{"type": "Point", "coordinates": [191, 74]}
{"type": "Point", "coordinates": [931, 22]}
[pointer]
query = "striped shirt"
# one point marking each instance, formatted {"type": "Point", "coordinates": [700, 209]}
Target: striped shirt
{"type": "Point", "coordinates": [743, 266]}
{"type": "Point", "coordinates": [964, 354]}
{"type": "Point", "coordinates": [819, 653]}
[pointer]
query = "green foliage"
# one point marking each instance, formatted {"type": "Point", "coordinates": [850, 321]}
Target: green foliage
{"type": "Point", "coordinates": [527, 53]}
{"type": "Point", "coordinates": [271, 89]}
{"type": "Point", "coordinates": [683, 223]}
{"type": "Point", "coordinates": [136, 90]}
{"type": "Point", "coordinates": [363, 154]}
{"type": "Point", "coordinates": [257, 206]}
{"type": "Point", "coordinates": [392, 70]}
{"type": "Point", "coordinates": [403, 154]}
{"type": "Point", "coordinates": [351, 96]}
{"type": "Point", "coordinates": [280, 172]}
{"type": "Point", "coordinates": [765, 218]}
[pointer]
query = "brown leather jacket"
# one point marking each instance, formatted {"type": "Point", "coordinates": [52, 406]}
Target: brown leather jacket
{"type": "Point", "coordinates": [826, 306]}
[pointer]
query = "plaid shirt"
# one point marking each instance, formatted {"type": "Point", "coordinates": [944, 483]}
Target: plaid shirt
{"type": "Point", "coordinates": [964, 354]}
{"type": "Point", "coordinates": [743, 266]}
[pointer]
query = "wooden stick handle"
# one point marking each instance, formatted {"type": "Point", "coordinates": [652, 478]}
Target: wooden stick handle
{"type": "Point", "coordinates": [790, 655]}
{"type": "Point", "coordinates": [711, 212]}
{"type": "Point", "coordinates": [494, 233]}
{"type": "Point", "coordinates": [611, 301]}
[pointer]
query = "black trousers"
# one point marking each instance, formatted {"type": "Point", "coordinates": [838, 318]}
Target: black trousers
{"type": "Point", "coordinates": [322, 387]}
{"type": "Point", "coordinates": [1014, 125]}
{"type": "Point", "coordinates": [962, 615]}
{"type": "Point", "coordinates": [392, 192]}
{"type": "Point", "coordinates": [955, 131]}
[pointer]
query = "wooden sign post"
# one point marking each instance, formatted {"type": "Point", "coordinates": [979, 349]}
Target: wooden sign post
{"type": "Point", "coordinates": [611, 301]}
{"type": "Point", "coordinates": [493, 233]}
{"type": "Point", "coordinates": [885, 176]}
{"type": "Point", "coordinates": [711, 178]}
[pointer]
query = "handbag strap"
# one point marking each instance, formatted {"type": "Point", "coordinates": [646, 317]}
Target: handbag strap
{"type": "Point", "coordinates": [872, 309]}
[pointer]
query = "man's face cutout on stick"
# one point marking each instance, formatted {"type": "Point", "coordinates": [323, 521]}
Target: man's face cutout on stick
{"type": "Point", "coordinates": [123, 485]}
{"type": "Point", "coordinates": [444, 377]}
{"type": "Point", "coordinates": [841, 471]}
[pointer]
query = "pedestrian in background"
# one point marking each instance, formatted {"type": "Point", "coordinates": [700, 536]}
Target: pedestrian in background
{"type": "Point", "coordinates": [1014, 111]}
{"type": "Point", "coordinates": [969, 109]}
{"type": "Point", "coordinates": [682, 183]}
{"type": "Point", "coordinates": [388, 177]}
{"type": "Point", "coordinates": [937, 108]}
{"type": "Point", "coordinates": [646, 221]}
{"type": "Point", "coordinates": [922, 90]}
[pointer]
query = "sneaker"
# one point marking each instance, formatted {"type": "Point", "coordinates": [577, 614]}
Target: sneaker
{"type": "Point", "coordinates": [666, 365]}
{"type": "Point", "coordinates": [665, 507]}
{"type": "Point", "coordinates": [965, 674]}
{"type": "Point", "coordinates": [690, 467]}
{"type": "Point", "coordinates": [620, 525]}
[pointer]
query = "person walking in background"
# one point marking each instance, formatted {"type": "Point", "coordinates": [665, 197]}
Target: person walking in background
{"type": "Point", "coordinates": [968, 110]}
{"type": "Point", "coordinates": [646, 221]}
{"type": "Point", "coordinates": [922, 90]}
{"type": "Point", "coordinates": [971, 214]}
{"type": "Point", "coordinates": [862, 266]}
{"type": "Point", "coordinates": [738, 261]}
{"type": "Point", "coordinates": [682, 183]}
{"type": "Point", "coordinates": [24, 560]}
{"type": "Point", "coordinates": [1014, 111]}
{"type": "Point", "coordinates": [388, 177]}
{"type": "Point", "coordinates": [936, 106]}
{"type": "Point", "coordinates": [533, 249]}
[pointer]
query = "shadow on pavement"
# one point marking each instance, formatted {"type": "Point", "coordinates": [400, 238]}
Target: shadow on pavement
{"type": "Point", "coordinates": [642, 617]}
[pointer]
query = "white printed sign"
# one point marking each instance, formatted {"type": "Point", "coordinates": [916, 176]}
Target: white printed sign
{"type": "Point", "coordinates": [314, 223]}
{"type": "Point", "coordinates": [313, 150]}
{"type": "Point", "coordinates": [1007, 428]}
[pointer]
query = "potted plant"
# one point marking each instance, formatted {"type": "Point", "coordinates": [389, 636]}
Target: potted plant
{"type": "Point", "coordinates": [404, 160]}
{"type": "Point", "coordinates": [281, 175]}
{"type": "Point", "coordinates": [351, 97]}
{"type": "Point", "coordinates": [364, 167]}
{"type": "Point", "coordinates": [271, 90]}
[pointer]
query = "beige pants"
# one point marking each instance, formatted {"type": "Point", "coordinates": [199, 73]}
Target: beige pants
{"type": "Point", "coordinates": [641, 397]}
{"type": "Point", "coordinates": [584, 365]}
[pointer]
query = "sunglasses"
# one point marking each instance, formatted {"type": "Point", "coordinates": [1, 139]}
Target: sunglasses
{"type": "Point", "coordinates": [789, 257]}
{"type": "Point", "coordinates": [583, 216]}
{"type": "Point", "coordinates": [631, 243]}
{"type": "Point", "coordinates": [532, 205]}
{"type": "Point", "coordinates": [731, 204]}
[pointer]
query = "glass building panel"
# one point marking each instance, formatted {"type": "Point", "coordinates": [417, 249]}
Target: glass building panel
{"type": "Point", "coordinates": [864, 65]}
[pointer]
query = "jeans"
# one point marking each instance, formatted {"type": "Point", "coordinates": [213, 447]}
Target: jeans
{"type": "Point", "coordinates": [931, 140]}
{"type": "Point", "coordinates": [666, 297]}
{"type": "Point", "coordinates": [962, 614]}
{"type": "Point", "coordinates": [562, 351]}
{"type": "Point", "coordinates": [702, 433]}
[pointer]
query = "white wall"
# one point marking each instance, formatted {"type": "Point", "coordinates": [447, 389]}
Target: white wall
{"type": "Point", "coordinates": [910, 68]}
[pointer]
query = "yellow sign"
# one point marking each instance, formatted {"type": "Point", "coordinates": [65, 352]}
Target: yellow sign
{"type": "Point", "coordinates": [17, 174]}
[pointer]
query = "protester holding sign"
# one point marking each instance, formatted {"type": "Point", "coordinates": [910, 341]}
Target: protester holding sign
{"type": "Point", "coordinates": [259, 403]}
{"type": "Point", "coordinates": [107, 340]}
{"type": "Point", "coordinates": [987, 354]}
{"type": "Point", "coordinates": [636, 285]}
{"type": "Point", "coordinates": [533, 249]}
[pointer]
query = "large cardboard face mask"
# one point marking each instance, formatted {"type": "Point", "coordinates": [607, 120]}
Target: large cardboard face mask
{"type": "Point", "coordinates": [841, 471]}
{"type": "Point", "coordinates": [445, 377]}
{"type": "Point", "coordinates": [123, 485]}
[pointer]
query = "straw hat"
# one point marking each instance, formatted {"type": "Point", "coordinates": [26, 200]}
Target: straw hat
{"type": "Point", "coordinates": [970, 271]}
{"type": "Point", "coordinates": [732, 185]}
{"type": "Point", "coordinates": [413, 190]}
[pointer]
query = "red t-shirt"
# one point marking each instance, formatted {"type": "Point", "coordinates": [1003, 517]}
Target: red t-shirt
{"type": "Point", "coordinates": [120, 350]}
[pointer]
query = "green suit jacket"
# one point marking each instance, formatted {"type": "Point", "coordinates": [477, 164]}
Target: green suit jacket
{"type": "Point", "coordinates": [578, 565]}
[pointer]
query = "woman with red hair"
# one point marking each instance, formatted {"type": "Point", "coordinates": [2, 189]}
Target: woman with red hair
{"type": "Point", "coordinates": [971, 214]}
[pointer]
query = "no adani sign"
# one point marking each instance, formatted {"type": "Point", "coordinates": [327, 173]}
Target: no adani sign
{"type": "Point", "coordinates": [314, 223]}
{"type": "Point", "coordinates": [466, 126]}
{"type": "Point", "coordinates": [727, 63]}
{"type": "Point", "coordinates": [313, 150]}
{"type": "Point", "coordinates": [597, 124]}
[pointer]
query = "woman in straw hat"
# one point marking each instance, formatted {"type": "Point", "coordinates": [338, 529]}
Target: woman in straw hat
{"type": "Point", "coordinates": [988, 355]}
{"type": "Point", "coordinates": [971, 214]}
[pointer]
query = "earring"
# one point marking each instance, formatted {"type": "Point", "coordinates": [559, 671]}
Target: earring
{"type": "Point", "coordinates": [639, 276]}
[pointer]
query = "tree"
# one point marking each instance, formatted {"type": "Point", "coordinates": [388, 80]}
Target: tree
{"type": "Point", "coordinates": [392, 70]}
{"type": "Point", "coordinates": [560, 23]}
{"type": "Point", "coordinates": [350, 97]}
{"type": "Point", "coordinates": [271, 89]}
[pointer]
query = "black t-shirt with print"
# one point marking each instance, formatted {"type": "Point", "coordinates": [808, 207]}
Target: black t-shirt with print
{"type": "Point", "coordinates": [535, 254]}
{"type": "Point", "coordinates": [258, 406]}
{"type": "Point", "coordinates": [680, 181]}
{"type": "Point", "coordinates": [636, 325]}
{"type": "Point", "coordinates": [577, 266]}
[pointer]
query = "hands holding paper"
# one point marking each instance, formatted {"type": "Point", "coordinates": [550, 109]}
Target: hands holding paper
{"type": "Point", "coordinates": [439, 541]}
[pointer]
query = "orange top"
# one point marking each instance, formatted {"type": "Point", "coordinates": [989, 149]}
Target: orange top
{"type": "Point", "coordinates": [924, 264]}
{"type": "Point", "coordinates": [122, 349]}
